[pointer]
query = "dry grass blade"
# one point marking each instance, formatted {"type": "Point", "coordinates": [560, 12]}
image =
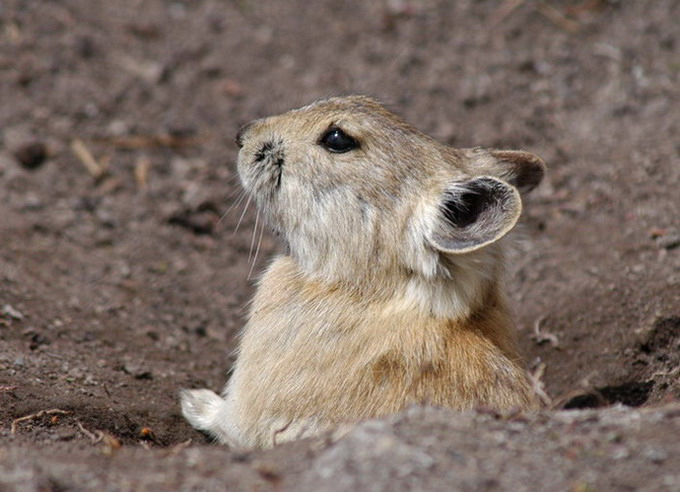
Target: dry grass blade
{"type": "Point", "coordinates": [142, 167]}
{"type": "Point", "coordinates": [5, 389]}
{"type": "Point", "coordinates": [541, 337]}
{"type": "Point", "coordinates": [95, 437]}
{"type": "Point", "coordinates": [87, 159]}
{"type": "Point", "coordinates": [558, 18]}
{"type": "Point", "coordinates": [538, 386]}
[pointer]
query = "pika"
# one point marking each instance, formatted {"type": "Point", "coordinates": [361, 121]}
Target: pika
{"type": "Point", "coordinates": [391, 294]}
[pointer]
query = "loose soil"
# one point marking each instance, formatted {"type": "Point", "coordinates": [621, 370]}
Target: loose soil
{"type": "Point", "coordinates": [124, 274]}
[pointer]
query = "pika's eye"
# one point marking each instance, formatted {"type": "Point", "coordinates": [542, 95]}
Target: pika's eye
{"type": "Point", "coordinates": [335, 140]}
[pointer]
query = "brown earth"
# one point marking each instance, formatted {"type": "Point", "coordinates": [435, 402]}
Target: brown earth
{"type": "Point", "coordinates": [116, 290]}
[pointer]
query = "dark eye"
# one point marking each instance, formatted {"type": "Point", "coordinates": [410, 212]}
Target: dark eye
{"type": "Point", "coordinates": [338, 141]}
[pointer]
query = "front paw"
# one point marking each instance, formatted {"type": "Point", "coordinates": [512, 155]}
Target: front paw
{"type": "Point", "coordinates": [201, 407]}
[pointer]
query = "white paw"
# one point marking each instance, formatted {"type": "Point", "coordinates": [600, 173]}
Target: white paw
{"type": "Point", "coordinates": [201, 408]}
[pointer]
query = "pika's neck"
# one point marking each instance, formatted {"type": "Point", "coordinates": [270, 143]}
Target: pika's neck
{"type": "Point", "coordinates": [458, 290]}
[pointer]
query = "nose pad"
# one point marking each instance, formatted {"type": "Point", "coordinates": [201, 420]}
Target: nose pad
{"type": "Point", "coordinates": [242, 131]}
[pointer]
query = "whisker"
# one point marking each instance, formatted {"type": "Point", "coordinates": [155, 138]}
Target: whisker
{"type": "Point", "coordinates": [243, 214]}
{"type": "Point", "coordinates": [233, 205]}
{"type": "Point", "coordinates": [252, 240]}
{"type": "Point", "coordinates": [257, 251]}
{"type": "Point", "coordinates": [233, 192]}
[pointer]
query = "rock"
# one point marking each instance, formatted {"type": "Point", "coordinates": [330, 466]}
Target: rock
{"type": "Point", "coordinates": [11, 312]}
{"type": "Point", "coordinates": [37, 340]}
{"type": "Point", "coordinates": [368, 459]}
{"type": "Point", "coordinates": [137, 371]}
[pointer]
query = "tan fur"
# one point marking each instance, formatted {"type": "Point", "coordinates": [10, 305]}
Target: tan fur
{"type": "Point", "coordinates": [384, 300]}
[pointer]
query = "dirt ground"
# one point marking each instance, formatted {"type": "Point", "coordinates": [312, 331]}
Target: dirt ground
{"type": "Point", "coordinates": [119, 284]}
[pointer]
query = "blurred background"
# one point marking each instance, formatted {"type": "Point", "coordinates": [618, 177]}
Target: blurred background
{"type": "Point", "coordinates": [121, 276]}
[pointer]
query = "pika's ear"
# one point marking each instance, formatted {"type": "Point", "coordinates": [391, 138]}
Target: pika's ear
{"type": "Point", "coordinates": [474, 213]}
{"type": "Point", "coordinates": [523, 170]}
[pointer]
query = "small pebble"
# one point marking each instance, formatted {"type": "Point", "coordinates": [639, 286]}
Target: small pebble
{"type": "Point", "coordinates": [137, 371]}
{"type": "Point", "coordinates": [32, 202]}
{"type": "Point", "coordinates": [620, 453]}
{"type": "Point", "coordinates": [12, 312]}
{"type": "Point", "coordinates": [37, 340]}
{"type": "Point", "coordinates": [655, 455]}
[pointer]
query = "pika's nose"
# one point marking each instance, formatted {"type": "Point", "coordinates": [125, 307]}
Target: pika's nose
{"type": "Point", "coordinates": [242, 131]}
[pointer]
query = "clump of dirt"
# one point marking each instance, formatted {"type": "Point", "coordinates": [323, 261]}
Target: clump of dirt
{"type": "Point", "coordinates": [126, 243]}
{"type": "Point", "coordinates": [659, 357]}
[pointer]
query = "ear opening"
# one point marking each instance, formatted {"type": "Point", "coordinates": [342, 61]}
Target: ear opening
{"type": "Point", "coordinates": [475, 213]}
{"type": "Point", "coordinates": [521, 169]}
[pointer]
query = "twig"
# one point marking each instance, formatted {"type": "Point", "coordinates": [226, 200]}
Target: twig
{"type": "Point", "coordinates": [5, 389]}
{"type": "Point", "coordinates": [506, 8]}
{"type": "Point", "coordinates": [87, 159]}
{"type": "Point", "coordinates": [558, 18]}
{"type": "Point", "coordinates": [41, 413]}
{"type": "Point", "coordinates": [538, 386]}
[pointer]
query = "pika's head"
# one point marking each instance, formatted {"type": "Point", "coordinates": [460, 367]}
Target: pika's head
{"type": "Point", "coordinates": [356, 191]}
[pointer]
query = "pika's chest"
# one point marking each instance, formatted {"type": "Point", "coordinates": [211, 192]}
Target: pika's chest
{"type": "Point", "coordinates": [341, 342]}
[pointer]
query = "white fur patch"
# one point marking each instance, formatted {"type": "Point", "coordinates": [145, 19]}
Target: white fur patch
{"type": "Point", "coordinates": [210, 413]}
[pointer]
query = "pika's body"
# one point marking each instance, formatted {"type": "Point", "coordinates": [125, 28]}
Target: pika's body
{"type": "Point", "coordinates": [391, 294]}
